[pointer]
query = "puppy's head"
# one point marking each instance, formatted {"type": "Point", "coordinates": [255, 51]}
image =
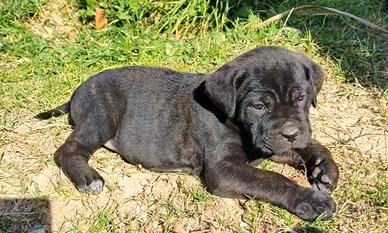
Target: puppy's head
{"type": "Point", "coordinates": [268, 92]}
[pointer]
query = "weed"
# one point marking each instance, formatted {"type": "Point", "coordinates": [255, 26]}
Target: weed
{"type": "Point", "coordinates": [201, 196]}
{"type": "Point", "coordinates": [102, 221]}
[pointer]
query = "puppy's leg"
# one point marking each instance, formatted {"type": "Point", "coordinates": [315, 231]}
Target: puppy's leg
{"type": "Point", "coordinates": [96, 119]}
{"type": "Point", "coordinates": [73, 158]}
{"type": "Point", "coordinates": [231, 176]}
{"type": "Point", "coordinates": [322, 172]}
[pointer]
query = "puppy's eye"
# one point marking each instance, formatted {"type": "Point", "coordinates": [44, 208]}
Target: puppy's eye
{"type": "Point", "coordinates": [301, 97]}
{"type": "Point", "coordinates": [259, 106]}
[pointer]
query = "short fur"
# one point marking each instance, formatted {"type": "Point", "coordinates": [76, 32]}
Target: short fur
{"type": "Point", "coordinates": [217, 125]}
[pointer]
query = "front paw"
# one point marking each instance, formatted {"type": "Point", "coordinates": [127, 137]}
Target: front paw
{"type": "Point", "coordinates": [323, 174]}
{"type": "Point", "coordinates": [313, 203]}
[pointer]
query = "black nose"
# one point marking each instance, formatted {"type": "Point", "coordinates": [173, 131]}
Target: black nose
{"type": "Point", "coordinates": [289, 130]}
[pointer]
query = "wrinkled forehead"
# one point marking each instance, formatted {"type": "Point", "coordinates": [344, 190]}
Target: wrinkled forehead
{"type": "Point", "coordinates": [282, 79]}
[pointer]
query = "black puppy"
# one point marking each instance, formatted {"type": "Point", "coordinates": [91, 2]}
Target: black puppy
{"type": "Point", "coordinates": [217, 125]}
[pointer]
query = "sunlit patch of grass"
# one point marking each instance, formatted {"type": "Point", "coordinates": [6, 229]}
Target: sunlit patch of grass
{"type": "Point", "coordinates": [201, 196]}
{"type": "Point", "coordinates": [253, 213]}
{"type": "Point", "coordinates": [102, 221]}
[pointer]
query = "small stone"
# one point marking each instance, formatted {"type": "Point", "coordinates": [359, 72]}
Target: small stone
{"type": "Point", "coordinates": [244, 225]}
{"type": "Point", "coordinates": [375, 110]}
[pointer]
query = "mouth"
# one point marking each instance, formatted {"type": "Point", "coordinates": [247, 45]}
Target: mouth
{"type": "Point", "coordinates": [278, 147]}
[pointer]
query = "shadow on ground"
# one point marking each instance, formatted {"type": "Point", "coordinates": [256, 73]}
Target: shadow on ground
{"type": "Point", "coordinates": [30, 215]}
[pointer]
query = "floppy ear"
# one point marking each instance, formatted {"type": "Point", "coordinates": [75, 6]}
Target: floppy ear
{"type": "Point", "coordinates": [221, 86]}
{"type": "Point", "coordinates": [315, 76]}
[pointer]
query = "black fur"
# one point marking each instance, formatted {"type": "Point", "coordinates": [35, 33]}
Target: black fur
{"type": "Point", "coordinates": [216, 125]}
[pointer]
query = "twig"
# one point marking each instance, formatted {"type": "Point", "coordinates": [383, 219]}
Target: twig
{"type": "Point", "coordinates": [284, 25]}
{"type": "Point", "coordinates": [360, 20]}
{"type": "Point", "coordinates": [280, 16]}
{"type": "Point", "coordinates": [303, 8]}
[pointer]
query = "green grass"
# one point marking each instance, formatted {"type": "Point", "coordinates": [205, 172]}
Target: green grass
{"type": "Point", "coordinates": [38, 72]}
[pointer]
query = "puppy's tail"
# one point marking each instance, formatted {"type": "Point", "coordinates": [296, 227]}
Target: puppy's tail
{"type": "Point", "coordinates": [55, 112]}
